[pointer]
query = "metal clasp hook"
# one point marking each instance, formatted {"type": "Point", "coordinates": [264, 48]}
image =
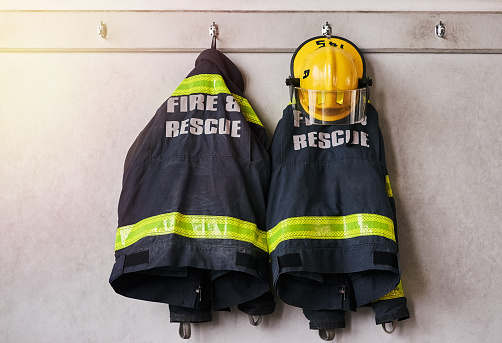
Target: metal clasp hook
{"type": "Point", "coordinates": [327, 335]}
{"type": "Point", "coordinates": [326, 30]}
{"type": "Point", "coordinates": [253, 321]}
{"type": "Point", "coordinates": [213, 31]}
{"type": "Point", "coordinates": [102, 31]}
{"type": "Point", "coordinates": [394, 325]}
{"type": "Point", "coordinates": [440, 29]}
{"type": "Point", "coordinates": [185, 330]}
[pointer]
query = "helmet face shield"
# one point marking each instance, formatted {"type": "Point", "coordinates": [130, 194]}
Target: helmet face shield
{"type": "Point", "coordinates": [328, 89]}
{"type": "Point", "coordinates": [324, 107]}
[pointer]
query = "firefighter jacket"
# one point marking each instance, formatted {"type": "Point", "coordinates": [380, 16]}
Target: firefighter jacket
{"type": "Point", "coordinates": [331, 224]}
{"type": "Point", "coordinates": [191, 214]}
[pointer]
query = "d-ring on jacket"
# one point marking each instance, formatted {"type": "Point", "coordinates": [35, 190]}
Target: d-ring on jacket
{"type": "Point", "coordinates": [191, 216]}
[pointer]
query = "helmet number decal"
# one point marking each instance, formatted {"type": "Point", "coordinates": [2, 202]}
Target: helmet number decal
{"type": "Point", "coordinates": [306, 73]}
{"type": "Point", "coordinates": [322, 44]}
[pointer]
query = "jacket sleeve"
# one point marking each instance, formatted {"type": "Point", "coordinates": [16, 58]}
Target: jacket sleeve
{"type": "Point", "coordinates": [392, 306]}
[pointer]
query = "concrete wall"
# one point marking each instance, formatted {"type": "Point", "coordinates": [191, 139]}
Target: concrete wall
{"type": "Point", "coordinates": [71, 104]}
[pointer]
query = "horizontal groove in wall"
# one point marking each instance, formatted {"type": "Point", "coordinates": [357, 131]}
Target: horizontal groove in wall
{"type": "Point", "coordinates": [241, 11]}
{"type": "Point", "coordinates": [246, 31]}
{"type": "Point", "coordinates": [249, 51]}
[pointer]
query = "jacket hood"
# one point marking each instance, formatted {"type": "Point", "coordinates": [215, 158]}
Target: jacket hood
{"type": "Point", "coordinates": [212, 61]}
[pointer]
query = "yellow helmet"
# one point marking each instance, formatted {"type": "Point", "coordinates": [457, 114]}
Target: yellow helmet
{"type": "Point", "coordinates": [328, 72]}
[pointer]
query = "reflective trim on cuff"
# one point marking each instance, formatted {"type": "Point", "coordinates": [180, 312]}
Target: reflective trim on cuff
{"type": "Point", "coordinates": [387, 186]}
{"type": "Point", "coordinates": [192, 226]}
{"type": "Point", "coordinates": [398, 292]}
{"type": "Point", "coordinates": [340, 227]}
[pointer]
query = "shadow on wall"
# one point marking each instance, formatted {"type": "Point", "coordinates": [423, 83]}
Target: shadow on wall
{"type": "Point", "coordinates": [390, 120]}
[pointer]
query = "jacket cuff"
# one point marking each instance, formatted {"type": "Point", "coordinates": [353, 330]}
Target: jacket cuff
{"type": "Point", "coordinates": [325, 319]}
{"type": "Point", "coordinates": [260, 306]}
{"type": "Point", "coordinates": [389, 310]}
{"type": "Point", "coordinates": [180, 314]}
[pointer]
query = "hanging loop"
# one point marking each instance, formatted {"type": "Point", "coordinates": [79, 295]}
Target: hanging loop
{"type": "Point", "coordinates": [394, 325]}
{"type": "Point", "coordinates": [326, 30]}
{"type": "Point", "coordinates": [327, 335]}
{"type": "Point", "coordinates": [185, 330]}
{"type": "Point", "coordinates": [254, 322]}
{"type": "Point", "coordinates": [213, 32]}
{"type": "Point", "coordinates": [440, 29]}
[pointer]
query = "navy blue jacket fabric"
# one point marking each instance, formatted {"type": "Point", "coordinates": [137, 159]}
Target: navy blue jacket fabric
{"type": "Point", "coordinates": [331, 216]}
{"type": "Point", "coordinates": [194, 195]}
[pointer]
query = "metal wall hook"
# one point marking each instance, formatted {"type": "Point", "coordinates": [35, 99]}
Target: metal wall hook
{"type": "Point", "coordinates": [440, 29]}
{"type": "Point", "coordinates": [213, 32]}
{"type": "Point", "coordinates": [326, 30]}
{"type": "Point", "coordinates": [102, 30]}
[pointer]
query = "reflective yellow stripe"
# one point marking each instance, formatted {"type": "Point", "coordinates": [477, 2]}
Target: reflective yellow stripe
{"type": "Point", "coordinates": [192, 226]}
{"type": "Point", "coordinates": [341, 227]}
{"type": "Point", "coordinates": [247, 110]}
{"type": "Point", "coordinates": [387, 186]}
{"type": "Point", "coordinates": [213, 84]}
{"type": "Point", "coordinates": [395, 293]}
